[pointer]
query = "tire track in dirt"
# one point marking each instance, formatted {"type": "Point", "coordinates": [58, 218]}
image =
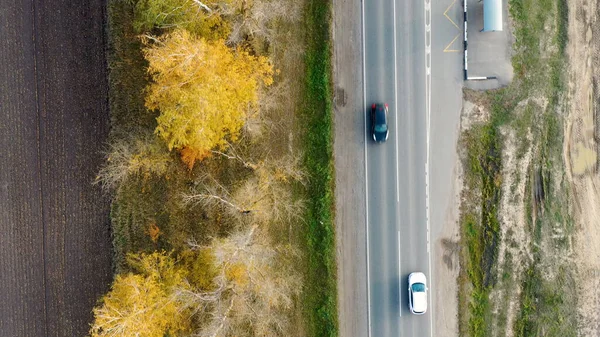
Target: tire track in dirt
{"type": "Point", "coordinates": [581, 157]}
{"type": "Point", "coordinates": [54, 243]}
{"type": "Point", "coordinates": [581, 154]}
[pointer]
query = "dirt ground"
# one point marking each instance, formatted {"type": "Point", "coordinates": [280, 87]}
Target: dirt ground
{"type": "Point", "coordinates": [55, 251]}
{"type": "Point", "coordinates": [447, 268]}
{"type": "Point", "coordinates": [512, 216]}
{"type": "Point", "coordinates": [580, 151]}
{"type": "Point", "coordinates": [581, 154]}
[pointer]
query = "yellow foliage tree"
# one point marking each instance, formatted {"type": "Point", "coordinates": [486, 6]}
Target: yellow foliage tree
{"type": "Point", "coordinates": [141, 304]}
{"type": "Point", "coordinates": [203, 90]}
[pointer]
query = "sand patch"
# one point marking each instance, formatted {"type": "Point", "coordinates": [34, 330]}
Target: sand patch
{"type": "Point", "coordinates": [583, 159]}
{"type": "Point", "coordinates": [581, 156]}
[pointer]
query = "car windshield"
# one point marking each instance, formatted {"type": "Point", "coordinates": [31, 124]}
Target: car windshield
{"type": "Point", "coordinates": [380, 128]}
{"type": "Point", "coordinates": [418, 287]}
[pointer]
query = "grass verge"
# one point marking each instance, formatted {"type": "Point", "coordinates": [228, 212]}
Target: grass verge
{"type": "Point", "coordinates": [321, 290]}
{"type": "Point", "coordinates": [479, 220]}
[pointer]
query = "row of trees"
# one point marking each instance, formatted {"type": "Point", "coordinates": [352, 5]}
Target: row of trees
{"type": "Point", "coordinates": [229, 287]}
{"type": "Point", "coordinates": [206, 83]}
{"type": "Point", "coordinates": [241, 284]}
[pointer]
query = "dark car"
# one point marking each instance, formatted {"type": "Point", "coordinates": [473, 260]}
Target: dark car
{"type": "Point", "coordinates": [379, 126]}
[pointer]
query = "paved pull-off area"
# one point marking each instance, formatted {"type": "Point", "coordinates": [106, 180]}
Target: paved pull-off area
{"type": "Point", "coordinates": [55, 252]}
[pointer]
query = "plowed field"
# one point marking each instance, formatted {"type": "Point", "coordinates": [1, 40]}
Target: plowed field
{"type": "Point", "coordinates": [55, 252]}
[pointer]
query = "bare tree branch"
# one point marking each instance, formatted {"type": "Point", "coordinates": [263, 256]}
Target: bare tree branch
{"type": "Point", "coordinates": [236, 156]}
{"type": "Point", "coordinates": [258, 297]}
{"type": "Point", "coordinates": [202, 5]}
{"type": "Point", "coordinates": [201, 197]}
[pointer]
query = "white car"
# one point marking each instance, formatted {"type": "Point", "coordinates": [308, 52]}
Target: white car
{"type": "Point", "coordinates": [417, 293]}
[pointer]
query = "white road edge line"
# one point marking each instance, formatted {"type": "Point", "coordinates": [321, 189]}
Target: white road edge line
{"type": "Point", "coordinates": [397, 156]}
{"type": "Point", "coordinates": [428, 65]}
{"type": "Point", "coordinates": [400, 279]}
{"type": "Point", "coordinates": [396, 116]}
{"type": "Point", "coordinates": [396, 110]}
{"type": "Point", "coordinates": [362, 3]}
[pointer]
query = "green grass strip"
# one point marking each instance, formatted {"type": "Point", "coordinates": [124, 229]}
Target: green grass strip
{"type": "Point", "coordinates": [321, 285]}
{"type": "Point", "coordinates": [481, 232]}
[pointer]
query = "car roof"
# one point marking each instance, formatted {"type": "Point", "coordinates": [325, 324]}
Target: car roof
{"type": "Point", "coordinates": [419, 301]}
{"type": "Point", "coordinates": [380, 114]}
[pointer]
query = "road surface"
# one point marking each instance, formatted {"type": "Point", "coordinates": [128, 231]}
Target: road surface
{"type": "Point", "coordinates": [417, 71]}
{"type": "Point", "coordinates": [392, 185]}
{"type": "Point", "coordinates": [395, 73]}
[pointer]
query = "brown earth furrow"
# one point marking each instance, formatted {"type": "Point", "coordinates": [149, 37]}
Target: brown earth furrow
{"type": "Point", "coordinates": [55, 244]}
{"type": "Point", "coordinates": [21, 311]}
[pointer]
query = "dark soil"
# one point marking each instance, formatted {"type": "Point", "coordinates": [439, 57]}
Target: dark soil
{"type": "Point", "coordinates": [55, 251]}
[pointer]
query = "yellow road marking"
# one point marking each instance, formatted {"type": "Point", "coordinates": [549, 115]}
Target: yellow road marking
{"type": "Point", "coordinates": [446, 50]}
{"type": "Point", "coordinates": [447, 17]}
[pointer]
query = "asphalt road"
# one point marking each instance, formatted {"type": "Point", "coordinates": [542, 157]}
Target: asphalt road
{"type": "Point", "coordinates": [395, 73]}
{"type": "Point", "coordinates": [370, 303]}
{"type": "Point", "coordinates": [55, 251]}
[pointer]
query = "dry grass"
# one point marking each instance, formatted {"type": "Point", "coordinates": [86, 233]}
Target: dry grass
{"type": "Point", "coordinates": [531, 211]}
